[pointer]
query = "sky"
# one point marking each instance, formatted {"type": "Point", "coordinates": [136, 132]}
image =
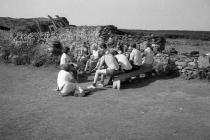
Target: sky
{"type": "Point", "coordinates": [127, 14]}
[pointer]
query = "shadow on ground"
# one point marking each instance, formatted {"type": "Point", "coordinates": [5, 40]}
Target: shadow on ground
{"type": "Point", "coordinates": [142, 82]}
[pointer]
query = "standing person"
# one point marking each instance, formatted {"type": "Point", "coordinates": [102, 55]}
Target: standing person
{"type": "Point", "coordinates": [112, 66]}
{"type": "Point", "coordinates": [135, 57]}
{"type": "Point", "coordinates": [123, 61]}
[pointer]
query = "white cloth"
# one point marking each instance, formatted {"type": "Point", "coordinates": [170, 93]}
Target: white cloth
{"type": "Point", "coordinates": [136, 57]}
{"type": "Point", "coordinates": [149, 56]}
{"type": "Point", "coordinates": [123, 61]}
{"type": "Point", "coordinates": [95, 54]}
{"type": "Point", "coordinates": [64, 77]}
{"type": "Point", "coordinates": [110, 61]}
{"type": "Point", "coordinates": [64, 59]}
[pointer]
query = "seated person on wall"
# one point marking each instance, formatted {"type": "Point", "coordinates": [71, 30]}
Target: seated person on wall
{"type": "Point", "coordinates": [100, 54]}
{"type": "Point", "coordinates": [111, 63]}
{"type": "Point", "coordinates": [128, 51]}
{"type": "Point", "coordinates": [135, 57]}
{"type": "Point", "coordinates": [93, 58]}
{"type": "Point", "coordinates": [123, 61]}
{"type": "Point", "coordinates": [84, 53]}
{"type": "Point", "coordinates": [65, 59]}
{"type": "Point", "coordinates": [148, 58]}
{"type": "Point", "coordinates": [66, 83]}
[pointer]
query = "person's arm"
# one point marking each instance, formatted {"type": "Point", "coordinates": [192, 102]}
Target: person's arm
{"type": "Point", "coordinates": [66, 59]}
{"type": "Point", "coordinates": [131, 56]}
{"type": "Point", "coordinates": [102, 61]}
{"type": "Point", "coordinates": [97, 65]}
{"type": "Point", "coordinates": [72, 78]}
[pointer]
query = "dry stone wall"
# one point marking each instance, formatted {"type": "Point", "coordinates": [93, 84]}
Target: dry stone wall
{"type": "Point", "coordinates": [39, 45]}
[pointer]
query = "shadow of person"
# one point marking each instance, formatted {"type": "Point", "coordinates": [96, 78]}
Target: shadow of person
{"type": "Point", "coordinates": [92, 91]}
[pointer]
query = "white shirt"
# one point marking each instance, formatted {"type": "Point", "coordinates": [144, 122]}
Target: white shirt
{"type": "Point", "coordinates": [64, 77]}
{"type": "Point", "coordinates": [95, 54]}
{"type": "Point", "coordinates": [136, 57]}
{"type": "Point", "coordinates": [64, 59]}
{"type": "Point", "coordinates": [123, 61]}
{"type": "Point", "coordinates": [110, 61]}
{"type": "Point", "coordinates": [149, 56]}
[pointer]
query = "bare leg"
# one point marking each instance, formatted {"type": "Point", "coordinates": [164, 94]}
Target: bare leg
{"type": "Point", "coordinates": [87, 64]}
{"type": "Point", "coordinates": [98, 72]}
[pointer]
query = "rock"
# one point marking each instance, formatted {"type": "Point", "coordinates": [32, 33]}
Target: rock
{"type": "Point", "coordinates": [203, 61]}
{"type": "Point", "coordinates": [181, 64]}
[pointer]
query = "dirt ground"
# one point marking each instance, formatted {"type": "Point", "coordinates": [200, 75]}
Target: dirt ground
{"type": "Point", "coordinates": [148, 109]}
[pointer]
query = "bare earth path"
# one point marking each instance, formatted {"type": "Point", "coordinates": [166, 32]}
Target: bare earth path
{"type": "Point", "coordinates": [165, 109]}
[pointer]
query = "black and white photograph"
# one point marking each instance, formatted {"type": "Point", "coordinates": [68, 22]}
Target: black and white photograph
{"type": "Point", "coordinates": [105, 70]}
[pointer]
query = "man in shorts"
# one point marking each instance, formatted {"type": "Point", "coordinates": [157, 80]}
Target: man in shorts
{"type": "Point", "coordinates": [135, 57]}
{"type": "Point", "coordinates": [112, 66]}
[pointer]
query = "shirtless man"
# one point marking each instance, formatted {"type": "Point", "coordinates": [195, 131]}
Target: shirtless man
{"type": "Point", "coordinates": [111, 63]}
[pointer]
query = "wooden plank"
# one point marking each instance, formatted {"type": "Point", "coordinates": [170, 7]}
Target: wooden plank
{"type": "Point", "coordinates": [121, 77]}
{"type": "Point", "coordinates": [142, 70]}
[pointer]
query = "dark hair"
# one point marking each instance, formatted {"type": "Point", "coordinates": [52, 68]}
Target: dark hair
{"type": "Point", "coordinates": [65, 67]}
{"type": "Point", "coordinates": [120, 48]}
{"type": "Point", "coordinates": [113, 52]}
{"type": "Point", "coordinates": [66, 50]}
{"type": "Point", "coordinates": [133, 45]}
{"type": "Point", "coordinates": [103, 46]}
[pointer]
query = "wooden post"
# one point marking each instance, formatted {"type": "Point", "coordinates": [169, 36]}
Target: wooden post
{"type": "Point", "coordinates": [53, 22]}
{"type": "Point", "coordinates": [62, 21]}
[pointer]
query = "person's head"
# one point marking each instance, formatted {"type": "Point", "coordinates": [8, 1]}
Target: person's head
{"type": "Point", "coordinates": [84, 44]}
{"type": "Point", "coordinates": [94, 47]}
{"type": "Point", "coordinates": [133, 46]}
{"type": "Point", "coordinates": [113, 52]}
{"type": "Point", "coordinates": [66, 50]}
{"type": "Point", "coordinates": [103, 46]}
{"type": "Point", "coordinates": [129, 49]}
{"type": "Point", "coordinates": [65, 67]}
{"type": "Point", "coordinates": [120, 51]}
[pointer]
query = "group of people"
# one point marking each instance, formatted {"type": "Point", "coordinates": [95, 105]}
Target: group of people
{"type": "Point", "coordinates": [115, 61]}
{"type": "Point", "coordinates": [104, 61]}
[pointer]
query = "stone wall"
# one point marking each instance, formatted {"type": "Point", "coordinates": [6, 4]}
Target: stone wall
{"type": "Point", "coordinates": [39, 45]}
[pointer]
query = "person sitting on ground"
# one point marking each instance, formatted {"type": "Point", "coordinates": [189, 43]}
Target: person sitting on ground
{"type": "Point", "coordinates": [112, 67]}
{"type": "Point", "coordinates": [66, 83]}
{"type": "Point", "coordinates": [93, 58]}
{"type": "Point", "coordinates": [123, 61]}
{"type": "Point", "coordinates": [148, 56]}
{"type": "Point", "coordinates": [135, 57]}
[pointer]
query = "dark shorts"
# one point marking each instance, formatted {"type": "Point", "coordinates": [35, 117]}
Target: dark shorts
{"type": "Point", "coordinates": [135, 67]}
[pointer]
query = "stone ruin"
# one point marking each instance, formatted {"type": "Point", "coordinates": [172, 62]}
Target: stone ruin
{"type": "Point", "coordinates": [35, 48]}
{"type": "Point", "coordinates": [39, 44]}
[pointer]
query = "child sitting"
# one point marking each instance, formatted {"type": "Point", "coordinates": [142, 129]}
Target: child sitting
{"type": "Point", "coordinates": [66, 83]}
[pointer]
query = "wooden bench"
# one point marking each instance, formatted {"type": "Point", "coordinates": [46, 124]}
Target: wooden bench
{"type": "Point", "coordinates": [123, 76]}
